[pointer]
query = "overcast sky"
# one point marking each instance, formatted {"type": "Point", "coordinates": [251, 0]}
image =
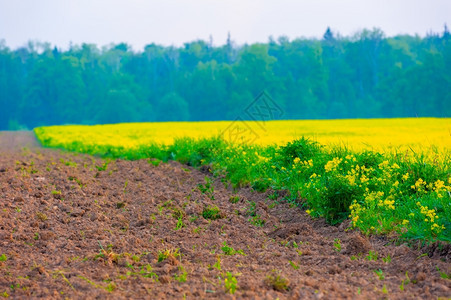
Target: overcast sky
{"type": "Point", "coordinates": [173, 22]}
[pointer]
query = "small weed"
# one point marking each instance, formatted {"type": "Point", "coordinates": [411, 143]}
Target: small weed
{"type": "Point", "coordinates": [109, 288]}
{"type": "Point", "coordinates": [252, 209]}
{"type": "Point", "coordinates": [193, 218]}
{"type": "Point", "coordinates": [125, 186]}
{"type": "Point", "coordinates": [257, 221]}
{"type": "Point", "coordinates": [422, 255]}
{"type": "Point", "coordinates": [294, 265]}
{"type": "Point", "coordinates": [356, 257]}
{"type": "Point", "coordinates": [443, 274]}
{"type": "Point", "coordinates": [234, 199]}
{"type": "Point", "coordinates": [372, 255]}
{"type": "Point", "coordinates": [120, 205]}
{"type": "Point", "coordinates": [197, 230]}
{"type": "Point", "coordinates": [384, 289]}
{"type": "Point", "coordinates": [182, 276]}
{"type": "Point", "coordinates": [36, 236]}
{"type": "Point", "coordinates": [4, 294]}
{"type": "Point", "coordinates": [146, 271]}
{"type": "Point", "coordinates": [41, 216]}
{"type": "Point", "coordinates": [273, 196]}
{"type": "Point", "coordinates": [211, 213]}
{"type": "Point", "coordinates": [3, 257]}
{"type": "Point", "coordinates": [207, 188]}
{"type": "Point", "coordinates": [80, 184]}
{"type": "Point", "coordinates": [108, 255]}
{"type": "Point", "coordinates": [272, 205]}
{"type": "Point", "coordinates": [230, 283]}
{"type": "Point", "coordinates": [102, 167]}
{"type": "Point", "coordinates": [277, 282]}
{"type": "Point", "coordinates": [155, 162]}
{"type": "Point", "coordinates": [217, 265]}
{"type": "Point", "coordinates": [405, 281]}
{"type": "Point", "coordinates": [60, 273]}
{"type": "Point", "coordinates": [337, 245]}
{"type": "Point", "coordinates": [180, 224]}
{"type": "Point", "coordinates": [230, 251]}
{"type": "Point", "coordinates": [168, 253]}
{"type": "Point", "coordinates": [380, 274]}
{"type": "Point", "coordinates": [57, 194]}
{"type": "Point", "coordinates": [68, 163]}
{"type": "Point", "coordinates": [177, 213]}
{"type": "Point", "coordinates": [387, 259]}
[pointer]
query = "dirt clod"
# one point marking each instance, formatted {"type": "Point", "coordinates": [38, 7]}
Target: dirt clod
{"type": "Point", "coordinates": [357, 244]}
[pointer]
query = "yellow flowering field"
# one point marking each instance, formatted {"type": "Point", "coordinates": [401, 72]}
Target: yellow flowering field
{"type": "Point", "coordinates": [385, 175]}
{"type": "Point", "coordinates": [357, 134]}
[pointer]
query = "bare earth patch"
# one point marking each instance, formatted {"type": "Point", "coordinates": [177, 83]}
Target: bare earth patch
{"type": "Point", "coordinates": [15, 140]}
{"type": "Point", "coordinates": [79, 227]}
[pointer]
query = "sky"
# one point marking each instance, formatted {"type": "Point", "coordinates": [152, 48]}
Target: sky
{"type": "Point", "coordinates": [174, 22]}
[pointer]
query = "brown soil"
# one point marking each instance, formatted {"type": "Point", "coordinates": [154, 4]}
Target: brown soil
{"type": "Point", "coordinates": [16, 140]}
{"type": "Point", "coordinates": [70, 230]}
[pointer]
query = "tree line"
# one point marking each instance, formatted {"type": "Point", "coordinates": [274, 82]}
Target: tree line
{"type": "Point", "coordinates": [366, 75]}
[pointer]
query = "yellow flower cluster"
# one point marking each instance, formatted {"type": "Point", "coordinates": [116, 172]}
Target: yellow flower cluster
{"type": "Point", "coordinates": [388, 203]}
{"type": "Point", "coordinates": [262, 158]}
{"type": "Point", "coordinates": [356, 209]}
{"type": "Point", "coordinates": [419, 185]}
{"type": "Point", "coordinates": [430, 217]}
{"type": "Point", "coordinates": [428, 213]}
{"type": "Point", "coordinates": [306, 163]}
{"type": "Point", "coordinates": [332, 164]}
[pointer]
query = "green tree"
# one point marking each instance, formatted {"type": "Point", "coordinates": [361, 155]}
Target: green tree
{"type": "Point", "coordinates": [172, 107]}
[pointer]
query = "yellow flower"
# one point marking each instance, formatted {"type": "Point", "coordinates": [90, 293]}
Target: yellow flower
{"type": "Point", "coordinates": [384, 164]}
{"type": "Point", "coordinates": [405, 222]}
{"type": "Point", "coordinates": [332, 164]}
{"type": "Point", "coordinates": [437, 228]}
{"type": "Point", "coordinates": [439, 185]}
{"type": "Point", "coordinates": [364, 179]}
{"type": "Point", "coordinates": [419, 183]}
{"type": "Point", "coordinates": [389, 202]}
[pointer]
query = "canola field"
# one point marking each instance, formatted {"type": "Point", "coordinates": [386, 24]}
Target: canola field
{"type": "Point", "coordinates": [417, 134]}
{"type": "Point", "coordinates": [387, 176]}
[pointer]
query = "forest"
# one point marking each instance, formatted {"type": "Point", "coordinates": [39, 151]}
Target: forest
{"type": "Point", "coordinates": [366, 75]}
